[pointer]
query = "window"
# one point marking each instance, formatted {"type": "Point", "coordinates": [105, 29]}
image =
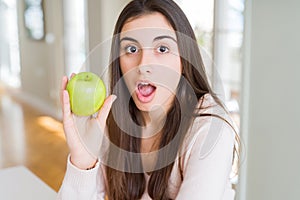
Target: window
{"type": "Point", "coordinates": [9, 44]}
{"type": "Point", "coordinates": [74, 35]}
{"type": "Point", "coordinates": [34, 19]}
{"type": "Point", "coordinates": [229, 26]}
{"type": "Point", "coordinates": [218, 26]}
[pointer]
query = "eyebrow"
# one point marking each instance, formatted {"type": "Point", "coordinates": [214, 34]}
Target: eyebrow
{"type": "Point", "coordinates": [165, 37]}
{"type": "Point", "coordinates": [155, 39]}
{"type": "Point", "coordinates": [129, 39]}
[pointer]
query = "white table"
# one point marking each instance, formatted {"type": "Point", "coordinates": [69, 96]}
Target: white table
{"type": "Point", "coordinates": [19, 183]}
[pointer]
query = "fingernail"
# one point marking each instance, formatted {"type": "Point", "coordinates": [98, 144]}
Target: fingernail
{"type": "Point", "coordinates": [114, 97]}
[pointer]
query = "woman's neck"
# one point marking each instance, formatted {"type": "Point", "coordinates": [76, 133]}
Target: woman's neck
{"type": "Point", "coordinates": [154, 122]}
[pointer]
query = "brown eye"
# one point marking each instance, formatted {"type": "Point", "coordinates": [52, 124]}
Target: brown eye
{"type": "Point", "coordinates": [131, 49]}
{"type": "Point", "coordinates": [163, 49]}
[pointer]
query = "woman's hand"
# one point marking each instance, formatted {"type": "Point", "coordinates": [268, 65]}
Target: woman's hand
{"type": "Point", "coordinates": [80, 156]}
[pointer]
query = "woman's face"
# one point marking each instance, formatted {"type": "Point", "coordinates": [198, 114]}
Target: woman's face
{"type": "Point", "coordinates": [150, 62]}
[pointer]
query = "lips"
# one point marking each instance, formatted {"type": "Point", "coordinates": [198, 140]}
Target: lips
{"type": "Point", "coordinates": [145, 91]}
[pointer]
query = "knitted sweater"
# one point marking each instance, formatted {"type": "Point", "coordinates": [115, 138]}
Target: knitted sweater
{"type": "Point", "coordinates": [201, 172]}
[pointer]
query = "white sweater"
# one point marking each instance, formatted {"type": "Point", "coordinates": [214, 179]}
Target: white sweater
{"type": "Point", "coordinates": [204, 173]}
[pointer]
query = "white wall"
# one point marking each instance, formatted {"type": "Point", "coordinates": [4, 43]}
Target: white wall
{"type": "Point", "coordinates": [42, 62]}
{"type": "Point", "coordinates": [271, 111]}
{"type": "Point", "coordinates": [102, 16]}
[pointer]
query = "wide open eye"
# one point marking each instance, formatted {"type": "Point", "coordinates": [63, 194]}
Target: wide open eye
{"type": "Point", "coordinates": [162, 49]}
{"type": "Point", "coordinates": [131, 49]}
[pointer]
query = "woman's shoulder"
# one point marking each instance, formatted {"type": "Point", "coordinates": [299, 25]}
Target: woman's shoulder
{"type": "Point", "coordinates": [209, 104]}
{"type": "Point", "coordinates": [211, 122]}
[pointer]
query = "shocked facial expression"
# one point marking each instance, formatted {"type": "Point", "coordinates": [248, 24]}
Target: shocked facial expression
{"type": "Point", "coordinates": [150, 61]}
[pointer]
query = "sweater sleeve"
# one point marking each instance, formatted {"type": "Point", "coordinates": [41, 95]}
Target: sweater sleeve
{"type": "Point", "coordinates": [206, 172]}
{"type": "Point", "coordinates": [82, 184]}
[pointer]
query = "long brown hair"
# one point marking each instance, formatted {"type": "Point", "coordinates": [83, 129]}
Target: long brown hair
{"type": "Point", "coordinates": [128, 184]}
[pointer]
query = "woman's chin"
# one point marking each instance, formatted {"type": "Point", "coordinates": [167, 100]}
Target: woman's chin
{"type": "Point", "coordinates": [150, 106]}
{"type": "Point", "coordinates": [144, 107]}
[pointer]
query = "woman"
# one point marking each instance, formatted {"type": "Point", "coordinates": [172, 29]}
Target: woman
{"type": "Point", "coordinates": [169, 135]}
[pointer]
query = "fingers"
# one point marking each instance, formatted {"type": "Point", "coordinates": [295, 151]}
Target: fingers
{"type": "Point", "coordinates": [64, 83]}
{"type": "Point", "coordinates": [104, 111]}
{"type": "Point", "coordinates": [63, 86]}
{"type": "Point", "coordinates": [72, 75]}
{"type": "Point", "coordinates": [66, 105]}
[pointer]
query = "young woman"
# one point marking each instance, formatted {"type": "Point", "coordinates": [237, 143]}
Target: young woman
{"type": "Point", "coordinates": [169, 135]}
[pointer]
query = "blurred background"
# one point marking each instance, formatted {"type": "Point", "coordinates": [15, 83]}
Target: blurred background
{"type": "Point", "coordinates": [251, 51]}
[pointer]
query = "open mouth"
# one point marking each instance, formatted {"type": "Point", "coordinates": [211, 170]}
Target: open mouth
{"type": "Point", "coordinates": [145, 91]}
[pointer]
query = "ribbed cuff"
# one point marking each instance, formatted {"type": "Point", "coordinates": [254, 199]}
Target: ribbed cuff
{"type": "Point", "coordinates": [78, 178]}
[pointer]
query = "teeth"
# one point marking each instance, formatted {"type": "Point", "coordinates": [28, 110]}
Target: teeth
{"type": "Point", "coordinates": [144, 83]}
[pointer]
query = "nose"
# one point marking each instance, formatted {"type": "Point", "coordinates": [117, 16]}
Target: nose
{"type": "Point", "coordinates": [146, 61]}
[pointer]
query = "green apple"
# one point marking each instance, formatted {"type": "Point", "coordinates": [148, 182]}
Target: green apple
{"type": "Point", "coordinates": [87, 93]}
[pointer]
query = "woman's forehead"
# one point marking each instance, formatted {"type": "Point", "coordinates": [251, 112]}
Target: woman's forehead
{"type": "Point", "coordinates": [153, 19]}
{"type": "Point", "coordinates": [147, 26]}
{"type": "Point", "coordinates": [148, 35]}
